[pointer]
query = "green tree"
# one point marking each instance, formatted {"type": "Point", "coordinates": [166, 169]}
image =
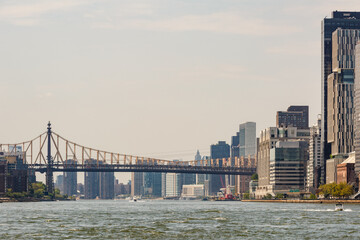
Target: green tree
{"type": "Point", "coordinates": [341, 190]}
{"type": "Point", "coordinates": [279, 196]}
{"type": "Point", "coordinates": [246, 196]}
{"type": "Point", "coordinates": [268, 196]}
{"type": "Point", "coordinates": [38, 189]}
{"type": "Point", "coordinates": [255, 177]}
{"type": "Point", "coordinates": [312, 196]}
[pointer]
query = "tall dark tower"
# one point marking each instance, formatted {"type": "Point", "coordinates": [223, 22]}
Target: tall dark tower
{"type": "Point", "coordinates": [49, 172]}
{"type": "Point", "coordinates": [344, 20]}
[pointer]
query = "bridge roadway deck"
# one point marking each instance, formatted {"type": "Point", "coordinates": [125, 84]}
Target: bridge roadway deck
{"type": "Point", "coordinates": [145, 168]}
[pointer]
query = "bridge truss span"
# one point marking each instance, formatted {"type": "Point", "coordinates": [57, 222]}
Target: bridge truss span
{"type": "Point", "coordinates": [51, 151]}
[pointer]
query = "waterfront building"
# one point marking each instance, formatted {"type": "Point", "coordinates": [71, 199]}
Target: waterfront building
{"type": "Point", "coordinates": [343, 20]}
{"type": "Point", "coordinates": [218, 152]}
{"type": "Point", "coordinates": [252, 188]}
{"type": "Point", "coordinates": [192, 191]}
{"type": "Point", "coordinates": [345, 171]}
{"type": "Point", "coordinates": [16, 170]}
{"type": "Point", "coordinates": [295, 116]}
{"type": "Point", "coordinates": [331, 167]}
{"type": "Point", "coordinates": [287, 165]}
{"type": "Point", "coordinates": [70, 179]}
{"type": "Point", "coordinates": [267, 141]}
{"type": "Point", "coordinates": [315, 167]}
{"type": "Point", "coordinates": [137, 184]}
{"type": "Point", "coordinates": [91, 181]}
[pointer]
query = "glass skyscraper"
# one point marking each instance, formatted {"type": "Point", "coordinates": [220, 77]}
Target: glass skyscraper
{"type": "Point", "coordinates": [344, 20]}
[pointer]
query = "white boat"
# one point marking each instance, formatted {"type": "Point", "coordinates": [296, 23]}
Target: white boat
{"type": "Point", "coordinates": [339, 207]}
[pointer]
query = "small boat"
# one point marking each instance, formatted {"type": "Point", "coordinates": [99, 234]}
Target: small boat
{"type": "Point", "coordinates": [339, 207]}
{"type": "Point", "coordinates": [134, 199]}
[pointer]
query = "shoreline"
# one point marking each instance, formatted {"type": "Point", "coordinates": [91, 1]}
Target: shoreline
{"type": "Point", "coordinates": [317, 201]}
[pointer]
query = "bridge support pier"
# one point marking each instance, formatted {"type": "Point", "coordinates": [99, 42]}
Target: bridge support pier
{"type": "Point", "coordinates": [49, 171]}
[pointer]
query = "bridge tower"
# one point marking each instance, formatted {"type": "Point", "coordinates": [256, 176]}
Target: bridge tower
{"type": "Point", "coordinates": [49, 171]}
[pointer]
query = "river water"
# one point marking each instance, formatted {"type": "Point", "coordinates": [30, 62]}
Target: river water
{"type": "Point", "coordinates": [113, 219]}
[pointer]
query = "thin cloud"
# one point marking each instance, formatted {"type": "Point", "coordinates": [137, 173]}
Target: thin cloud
{"type": "Point", "coordinates": [222, 22]}
{"type": "Point", "coordinates": [296, 48]}
{"type": "Point", "coordinates": [28, 14]}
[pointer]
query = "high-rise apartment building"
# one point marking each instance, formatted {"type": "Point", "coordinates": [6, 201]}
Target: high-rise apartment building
{"type": "Point", "coordinates": [295, 116]}
{"type": "Point", "coordinates": [106, 188]}
{"type": "Point", "coordinates": [344, 20]}
{"type": "Point", "coordinates": [340, 111]}
{"type": "Point", "coordinates": [357, 110]}
{"type": "Point", "coordinates": [173, 185]}
{"type": "Point", "coordinates": [152, 184]}
{"type": "Point", "coordinates": [315, 167]}
{"type": "Point", "coordinates": [137, 184]}
{"type": "Point", "coordinates": [343, 48]}
{"type": "Point", "coordinates": [91, 181]}
{"type": "Point", "coordinates": [70, 179]}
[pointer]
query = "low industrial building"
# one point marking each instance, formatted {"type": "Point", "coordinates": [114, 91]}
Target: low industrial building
{"type": "Point", "coordinates": [346, 170]}
{"type": "Point", "coordinates": [192, 191]}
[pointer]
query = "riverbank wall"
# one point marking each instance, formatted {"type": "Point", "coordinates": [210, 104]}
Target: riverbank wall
{"type": "Point", "coordinates": [319, 201]}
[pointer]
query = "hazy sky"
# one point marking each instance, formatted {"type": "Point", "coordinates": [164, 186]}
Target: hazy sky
{"type": "Point", "coordinates": [157, 78]}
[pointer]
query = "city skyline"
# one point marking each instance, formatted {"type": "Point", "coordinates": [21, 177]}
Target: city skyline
{"type": "Point", "coordinates": [144, 81]}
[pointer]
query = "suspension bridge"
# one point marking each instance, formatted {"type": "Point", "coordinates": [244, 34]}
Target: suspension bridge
{"type": "Point", "coordinates": [50, 152]}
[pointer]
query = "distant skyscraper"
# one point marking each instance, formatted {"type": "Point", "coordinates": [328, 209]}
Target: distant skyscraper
{"type": "Point", "coordinates": [295, 116]}
{"type": "Point", "coordinates": [234, 154]}
{"type": "Point", "coordinates": [344, 20]}
{"type": "Point", "coordinates": [59, 183]}
{"type": "Point", "coordinates": [137, 184]}
{"type": "Point", "coordinates": [173, 184]}
{"type": "Point", "coordinates": [247, 147]}
{"type": "Point", "coordinates": [200, 178]}
{"type": "Point", "coordinates": [70, 179]}
{"type": "Point", "coordinates": [163, 184]}
{"type": "Point", "coordinates": [218, 152]}
{"type": "Point", "coordinates": [91, 180]}
{"type": "Point", "coordinates": [107, 187]}
{"type": "Point", "coordinates": [247, 141]}
{"type": "Point", "coordinates": [152, 184]}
